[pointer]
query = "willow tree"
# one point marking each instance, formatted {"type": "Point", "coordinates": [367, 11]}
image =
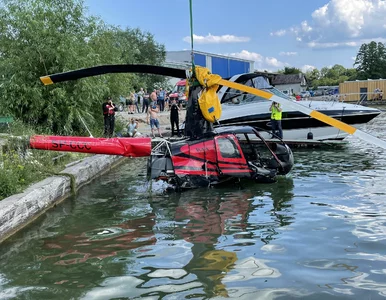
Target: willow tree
{"type": "Point", "coordinates": [128, 46]}
{"type": "Point", "coordinates": [40, 37]}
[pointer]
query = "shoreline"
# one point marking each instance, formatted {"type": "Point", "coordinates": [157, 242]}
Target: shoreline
{"type": "Point", "coordinates": [20, 210]}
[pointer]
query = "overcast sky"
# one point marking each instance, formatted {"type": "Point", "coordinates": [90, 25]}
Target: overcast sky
{"type": "Point", "coordinates": [274, 34]}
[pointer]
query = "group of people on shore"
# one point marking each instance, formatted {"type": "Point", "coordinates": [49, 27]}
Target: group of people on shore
{"type": "Point", "coordinates": [152, 104]}
{"type": "Point", "coordinates": [144, 99]}
{"type": "Point", "coordinates": [109, 110]}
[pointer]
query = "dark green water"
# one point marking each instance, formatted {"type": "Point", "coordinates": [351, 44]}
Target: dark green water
{"type": "Point", "coordinates": [319, 233]}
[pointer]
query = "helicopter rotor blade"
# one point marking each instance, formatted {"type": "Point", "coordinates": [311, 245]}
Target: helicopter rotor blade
{"type": "Point", "coordinates": [310, 112]}
{"type": "Point", "coordinates": [104, 69]}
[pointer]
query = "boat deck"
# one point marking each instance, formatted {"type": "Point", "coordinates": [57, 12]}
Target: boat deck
{"type": "Point", "coordinates": [311, 143]}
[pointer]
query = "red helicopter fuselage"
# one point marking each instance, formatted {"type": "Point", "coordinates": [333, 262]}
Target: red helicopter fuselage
{"type": "Point", "coordinates": [222, 155]}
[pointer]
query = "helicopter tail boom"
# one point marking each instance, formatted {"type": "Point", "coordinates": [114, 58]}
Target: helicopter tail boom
{"type": "Point", "coordinates": [129, 147]}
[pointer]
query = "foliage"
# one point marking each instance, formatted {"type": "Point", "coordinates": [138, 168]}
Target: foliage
{"type": "Point", "coordinates": [40, 37]}
{"type": "Point", "coordinates": [290, 70]}
{"type": "Point", "coordinates": [330, 76]}
{"type": "Point", "coordinates": [20, 167]}
{"type": "Point", "coordinates": [371, 61]}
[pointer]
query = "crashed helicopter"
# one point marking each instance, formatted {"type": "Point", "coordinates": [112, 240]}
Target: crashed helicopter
{"type": "Point", "coordinates": [203, 157]}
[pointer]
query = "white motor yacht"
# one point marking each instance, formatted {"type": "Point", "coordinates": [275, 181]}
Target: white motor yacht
{"type": "Point", "coordinates": [239, 108]}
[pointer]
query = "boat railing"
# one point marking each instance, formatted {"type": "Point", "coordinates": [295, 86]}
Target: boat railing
{"type": "Point", "coordinates": [360, 98]}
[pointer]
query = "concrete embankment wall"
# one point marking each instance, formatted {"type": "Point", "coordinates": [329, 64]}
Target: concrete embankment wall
{"type": "Point", "coordinates": [19, 210]}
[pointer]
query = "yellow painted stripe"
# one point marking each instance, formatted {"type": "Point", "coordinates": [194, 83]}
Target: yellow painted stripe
{"type": "Point", "coordinates": [247, 89]}
{"type": "Point", "coordinates": [46, 80]}
{"type": "Point", "coordinates": [333, 122]}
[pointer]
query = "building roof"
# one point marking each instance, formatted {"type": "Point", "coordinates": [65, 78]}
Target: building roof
{"type": "Point", "coordinates": [288, 79]}
{"type": "Point", "coordinates": [366, 80]}
{"type": "Point", "coordinates": [185, 55]}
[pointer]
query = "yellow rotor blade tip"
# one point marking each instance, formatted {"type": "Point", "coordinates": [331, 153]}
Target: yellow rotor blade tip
{"type": "Point", "coordinates": [46, 80]}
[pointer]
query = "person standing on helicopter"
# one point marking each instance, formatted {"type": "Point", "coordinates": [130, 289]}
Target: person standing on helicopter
{"type": "Point", "coordinates": [276, 112]}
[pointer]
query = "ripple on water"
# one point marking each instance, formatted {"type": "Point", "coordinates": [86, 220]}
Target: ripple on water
{"type": "Point", "coordinates": [130, 287]}
{"type": "Point", "coordinates": [104, 233]}
{"type": "Point", "coordinates": [273, 248]}
{"type": "Point", "coordinates": [171, 273]}
{"type": "Point", "coordinates": [251, 268]}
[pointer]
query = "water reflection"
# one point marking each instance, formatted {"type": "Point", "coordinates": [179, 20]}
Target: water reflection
{"type": "Point", "coordinates": [194, 244]}
{"type": "Point", "coordinates": [99, 243]}
{"type": "Point", "coordinates": [199, 236]}
{"type": "Point", "coordinates": [218, 227]}
{"type": "Point", "coordinates": [318, 232]}
{"type": "Point", "coordinates": [205, 222]}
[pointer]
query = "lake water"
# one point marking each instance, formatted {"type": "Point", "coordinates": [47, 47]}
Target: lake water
{"type": "Point", "coordinates": [319, 233]}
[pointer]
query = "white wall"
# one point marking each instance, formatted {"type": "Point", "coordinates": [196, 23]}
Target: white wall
{"type": "Point", "coordinates": [295, 87]}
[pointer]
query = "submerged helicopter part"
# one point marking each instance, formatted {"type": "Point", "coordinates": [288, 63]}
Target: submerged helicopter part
{"type": "Point", "coordinates": [227, 154]}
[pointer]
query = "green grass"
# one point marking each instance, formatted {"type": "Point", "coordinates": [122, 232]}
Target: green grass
{"type": "Point", "coordinates": [19, 169]}
{"type": "Point", "coordinates": [20, 166]}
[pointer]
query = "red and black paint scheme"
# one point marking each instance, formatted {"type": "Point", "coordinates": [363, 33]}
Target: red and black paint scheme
{"type": "Point", "coordinates": [226, 154]}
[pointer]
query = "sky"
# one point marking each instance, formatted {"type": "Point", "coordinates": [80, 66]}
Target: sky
{"type": "Point", "coordinates": [305, 34]}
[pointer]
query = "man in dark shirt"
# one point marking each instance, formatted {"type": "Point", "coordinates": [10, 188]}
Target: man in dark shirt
{"type": "Point", "coordinates": [161, 99]}
{"type": "Point", "coordinates": [109, 109]}
{"type": "Point", "coordinates": [174, 120]}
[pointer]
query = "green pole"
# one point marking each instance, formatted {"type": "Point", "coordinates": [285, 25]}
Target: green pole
{"type": "Point", "coordinates": [191, 33]}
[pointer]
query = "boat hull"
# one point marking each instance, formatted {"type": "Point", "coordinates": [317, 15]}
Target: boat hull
{"type": "Point", "coordinates": [297, 125]}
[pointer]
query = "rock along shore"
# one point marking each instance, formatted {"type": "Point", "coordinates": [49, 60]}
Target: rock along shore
{"type": "Point", "coordinates": [19, 210]}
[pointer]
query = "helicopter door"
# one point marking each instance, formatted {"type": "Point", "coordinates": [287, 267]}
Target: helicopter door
{"type": "Point", "coordinates": [230, 157]}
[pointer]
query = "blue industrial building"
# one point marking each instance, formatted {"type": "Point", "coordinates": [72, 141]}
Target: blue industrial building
{"type": "Point", "coordinates": [225, 66]}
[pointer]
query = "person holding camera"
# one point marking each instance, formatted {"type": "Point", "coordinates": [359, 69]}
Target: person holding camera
{"type": "Point", "coordinates": [109, 110]}
{"type": "Point", "coordinates": [174, 119]}
{"type": "Point", "coordinates": [276, 112]}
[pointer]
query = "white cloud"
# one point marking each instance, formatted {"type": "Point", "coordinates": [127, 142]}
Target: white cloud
{"type": "Point", "coordinates": [358, 43]}
{"type": "Point", "coordinates": [272, 61]}
{"type": "Point", "coordinates": [261, 62]}
{"type": "Point", "coordinates": [216, 39]}
{"type": "Point", "coordinates": [307, 68]}
{"type": "Point", "coordinates": [343, 23]}
{"type": "Point", "coordinates": [244, 54]}
{"type": "Point", "coordinates": [288, 53]}
{"type": "Point", "coordinates": [278, 33]}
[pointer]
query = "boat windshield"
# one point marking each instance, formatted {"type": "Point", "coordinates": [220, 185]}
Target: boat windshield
{"type": "Point", "coordinates": [260, 82]}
